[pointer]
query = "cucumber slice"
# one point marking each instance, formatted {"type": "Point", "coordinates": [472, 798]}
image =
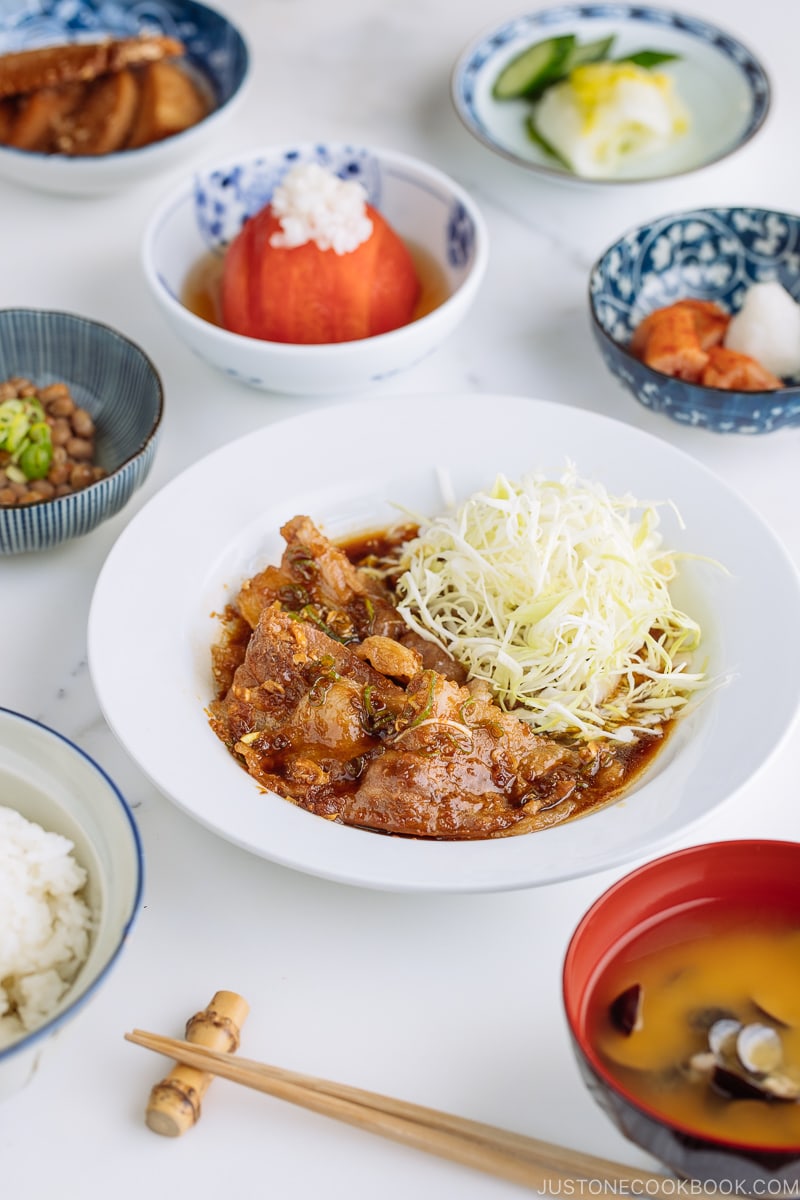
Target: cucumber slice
{"type": "Point", "coordinates": [589, 52]}
{"type": "Point", "coordinates": [529, 72]}
{"type": "Point", "coordinates": [538, 139]}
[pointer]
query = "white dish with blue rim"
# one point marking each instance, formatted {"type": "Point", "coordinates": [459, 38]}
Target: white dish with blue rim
{"type": "Point", "coordinates": [199, 219]}
{"type": "Point", "coordinates": [52, 782]}
{"type": "Point", "coordinates": [215, 50]}
{"type": "Point", "coordinates": [721, 83]}
{"type": "Point", "coordinates": [230, 506]}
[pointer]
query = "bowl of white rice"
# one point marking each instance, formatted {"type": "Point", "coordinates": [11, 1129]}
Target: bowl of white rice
{"type": "Point", "coordinates": [71, 877]}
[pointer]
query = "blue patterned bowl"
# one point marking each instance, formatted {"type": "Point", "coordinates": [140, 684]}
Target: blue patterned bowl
{"type": "Point", "coordinates": [195, 224]}
{"type": "Point", "coordinates": [215, 49]}
{"type": "Point", "coordinates": [116, 382]}
{"type": "Point", "coordinates": [706, 254]}
{"type": "Point", "coordinates": [723, 85]}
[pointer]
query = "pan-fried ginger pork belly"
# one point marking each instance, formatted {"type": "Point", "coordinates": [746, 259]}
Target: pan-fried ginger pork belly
{"type": "Point", "coordinates": [317, 581]}
{"type": "Point", "coordinates": [302, 711]}
{"type": "Point", "coordinates": [313, 720]}
{"type": "Point", "coordinates": [324, 698]}
{"type": "Point", "coordinates": [391, 658]}
{"type": "Point", "coordinates": [458, 767]}
{"type": "Point", "coordinates": [317, 578]}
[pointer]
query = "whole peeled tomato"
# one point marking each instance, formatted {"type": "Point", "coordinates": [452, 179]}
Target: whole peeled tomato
{"type": "Point", "coordinates": [307, 295]}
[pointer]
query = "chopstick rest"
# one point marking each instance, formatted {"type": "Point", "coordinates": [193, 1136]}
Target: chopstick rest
{"type": "Point", "coordinates": [174, 1104]}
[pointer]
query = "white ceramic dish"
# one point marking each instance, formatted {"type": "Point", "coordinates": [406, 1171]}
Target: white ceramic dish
{"type": "Point", "coordinates": [229, 507]}
{"type": "Point", "coordinates": [206, 212]}
{"type": "Point", "coordinates": [52, 782]}
{"type": "Point", "coordinates": [721, 82]}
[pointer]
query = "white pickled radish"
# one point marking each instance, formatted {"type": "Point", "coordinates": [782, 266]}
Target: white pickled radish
{"type": "Point", "coordinates": [767, 327]}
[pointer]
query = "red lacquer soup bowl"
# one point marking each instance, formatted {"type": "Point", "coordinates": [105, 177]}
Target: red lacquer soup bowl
{"type": "Point", "coordinates": [681, 989]}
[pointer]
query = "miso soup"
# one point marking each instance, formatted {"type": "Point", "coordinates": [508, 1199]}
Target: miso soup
{"type": "Point", "coordinates": [698, 1019]}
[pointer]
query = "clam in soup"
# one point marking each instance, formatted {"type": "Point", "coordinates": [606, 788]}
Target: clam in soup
{"type": "Point", "coordinates": [698, 1019]}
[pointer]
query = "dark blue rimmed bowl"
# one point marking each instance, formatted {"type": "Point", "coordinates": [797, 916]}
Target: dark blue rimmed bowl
{"type": "Point", "coordinates": [215, 49]}
{"type": "Point", "coordinates": [724, 86]}
{"type": "Point", "coordinates": [54, 783]}
{"type": "Point", "coordinates": [113, 379]}
{"type": "Point", "coordinates": [707, 254]}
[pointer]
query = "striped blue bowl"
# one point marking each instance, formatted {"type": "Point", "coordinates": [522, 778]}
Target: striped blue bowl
{"type": "Point", "coordinates": [116, 383]}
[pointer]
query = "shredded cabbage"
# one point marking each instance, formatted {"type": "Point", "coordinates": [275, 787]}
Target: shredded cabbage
{"type": "Point", "coordinates": [556, 595]}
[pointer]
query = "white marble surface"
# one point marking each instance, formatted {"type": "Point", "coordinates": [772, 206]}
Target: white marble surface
{"type": "Point", "coordinates": [450, 1001]}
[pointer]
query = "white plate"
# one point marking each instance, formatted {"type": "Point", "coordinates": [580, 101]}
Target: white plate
{"type": "Point", "coordinates": [187, 551]}
{"type": "Point", "coordinates": [721, 82]}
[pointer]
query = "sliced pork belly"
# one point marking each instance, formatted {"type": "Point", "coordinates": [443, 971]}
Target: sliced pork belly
{"type": "Point", "coordinates": [329, 700]}
{"type": "Point", "coordinates": [317, 579]}
{"type": "Point", "coordinates": [458, 767]}
{"type": "Point", "coordinates": [304, 709]}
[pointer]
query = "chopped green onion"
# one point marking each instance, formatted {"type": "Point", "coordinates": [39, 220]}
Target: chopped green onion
{"type": "Point", "coordinates": [35, 459]}
{"type": "Point", "coordinates": [379, 718]}
{"type": "Point", "coordinates": [25, 435]}
{"type": "Point", "coordinates": [16, 432]}
{"type": "Point", "coordinates": [39, 432]}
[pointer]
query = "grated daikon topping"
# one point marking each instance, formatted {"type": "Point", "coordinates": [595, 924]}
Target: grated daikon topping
{"type": "Point", "coordinates": [556, 594]}
{"type": "Point", "coordinates": [314, 205]}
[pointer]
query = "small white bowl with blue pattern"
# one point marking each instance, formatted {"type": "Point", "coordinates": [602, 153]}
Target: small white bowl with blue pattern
{"type": "Point", "coordinates": [52, 782]}
{"type": "Point", "coordinates": [215, 50]}
{"type": "Point", "coordinates": [721, 82]}
{"type": "Point", "coordinates": [425, 207]}
{"type": "Point", "coordinates": [115, 381]}
{"type": "Point", "coordinates": [703, 254]}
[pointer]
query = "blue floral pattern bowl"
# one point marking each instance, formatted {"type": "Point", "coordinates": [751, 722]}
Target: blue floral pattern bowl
{"type": "Point", "coordinates": [434, 215]}
{"type": "Point", "coordinates": [723, 85]}
{"type": "Point", "coordinates": [707, 254]}
{"type": "Point", "coordinates": [215, 49]}
{"type": "Point", "coordinates": [115, 381]}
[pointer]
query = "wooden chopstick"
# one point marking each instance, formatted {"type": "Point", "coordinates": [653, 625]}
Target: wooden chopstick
{"type": "Point", "coordinates": [505, 1155]}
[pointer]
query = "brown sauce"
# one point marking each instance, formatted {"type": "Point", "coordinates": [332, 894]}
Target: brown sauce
{"type": "Point", "coordinates": [382, 547]}
{"type": "Point", "coordinates": [406, 751]}
{"type": "Point", "coordinates": [203, 285]}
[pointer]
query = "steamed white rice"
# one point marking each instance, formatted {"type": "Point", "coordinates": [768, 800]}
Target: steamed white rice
{"type": "Point", "coordinates": [45, 924]}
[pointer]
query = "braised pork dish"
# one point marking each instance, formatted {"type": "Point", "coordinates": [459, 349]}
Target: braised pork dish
{"type": "Point", "coordinates": [327, 696]}
{"type": "Point", "coordinates": [96, 98]}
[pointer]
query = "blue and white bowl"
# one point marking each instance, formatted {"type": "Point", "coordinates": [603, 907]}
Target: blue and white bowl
{"type": "Point", "coordinates": [704, 254]}
{"type": "Point", "coordinates": [115, 381]}
{"type": "Point", "coordinates": [215, 49]}
{"type": "Point", "coordinates": [201, 217]}
{"type": "Point", "coordinates": [53, 783]}
{"type": "Point", "coordinates": [723, 85]}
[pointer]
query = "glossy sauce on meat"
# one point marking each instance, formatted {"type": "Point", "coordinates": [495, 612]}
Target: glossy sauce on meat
{"type": "Point", "coordinates": [326, 697]}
